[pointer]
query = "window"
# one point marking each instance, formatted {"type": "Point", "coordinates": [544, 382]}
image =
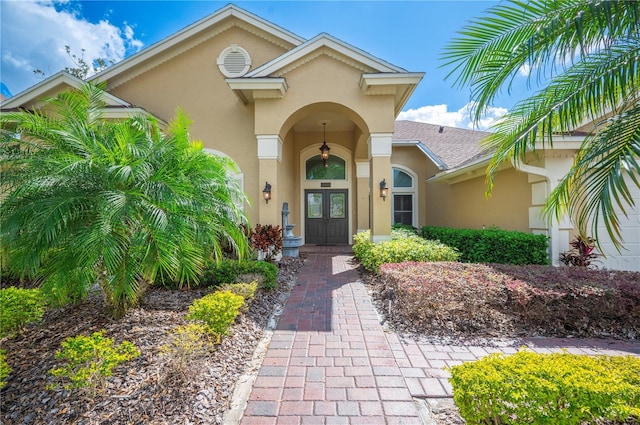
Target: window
{"type": "Point", "coordinates": [404, 195]}
{"type": "Point", "coordinates": [403, 209]}
{"type": "Point", "coordinates": [335, 170]}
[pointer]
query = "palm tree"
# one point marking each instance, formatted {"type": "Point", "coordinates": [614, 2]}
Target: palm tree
{"type": "Point", "coordinates": [87, 199]}
{"type": "Point", "coordinates": [587, 52]}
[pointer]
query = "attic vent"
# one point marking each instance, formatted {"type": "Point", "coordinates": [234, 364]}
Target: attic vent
{"type": "Point", "coordinates": [234, 61]}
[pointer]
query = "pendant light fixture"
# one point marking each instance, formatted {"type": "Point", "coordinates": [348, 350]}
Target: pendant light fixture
{"type": "Point", "coordinates": [324, 149]}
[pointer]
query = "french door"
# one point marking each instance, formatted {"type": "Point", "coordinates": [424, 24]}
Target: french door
{"type": "Point", "coordinates": [326, 217]}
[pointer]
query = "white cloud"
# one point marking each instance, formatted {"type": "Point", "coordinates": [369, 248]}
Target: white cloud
{"type": "Point", "coordinates": [440, 115]}
{"type": "Point", "coordinates": [35, 33]}
{"type": "Point", "coordinates": [525, 70]}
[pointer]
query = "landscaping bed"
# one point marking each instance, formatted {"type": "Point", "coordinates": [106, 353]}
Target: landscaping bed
{"type": "Point", "coordinates": [139, 391]}
{"type": "Point", "coordinates": [469, 301]}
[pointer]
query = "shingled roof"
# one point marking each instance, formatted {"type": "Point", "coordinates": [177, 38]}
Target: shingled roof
{"type": "Point", "coordinates": [453, 146]}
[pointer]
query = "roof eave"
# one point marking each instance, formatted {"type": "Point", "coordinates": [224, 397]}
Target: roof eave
{"type": "Point", "coordinates": [424, 149]}
{"type": "Point", "coordinates": [324, 40]}
{"type": "Point", "coordinates": [465, 172]}
{"type": "Point", "coordinates": [37, 90]}
{"type": "Point", "coordinates": [400, 85]}
{"type": "Point", "coordinates": [193, 29]}
{"type": "Point", "coordinates": [248, 89]}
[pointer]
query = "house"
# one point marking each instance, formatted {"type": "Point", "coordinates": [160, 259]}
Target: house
{"type": "Point", "coordinates": [270, 100]}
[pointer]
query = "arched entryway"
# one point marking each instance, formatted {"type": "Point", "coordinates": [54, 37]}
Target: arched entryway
{"type": "Point", "coordinates": [326, 195]}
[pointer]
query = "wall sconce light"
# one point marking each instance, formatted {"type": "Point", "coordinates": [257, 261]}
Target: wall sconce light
{"type": "Point", "coordinates": [324, 149]}
{"type": "Point", "coordinates": [266, 192]}
{"type": "Point", "coordinates": [384, 190]}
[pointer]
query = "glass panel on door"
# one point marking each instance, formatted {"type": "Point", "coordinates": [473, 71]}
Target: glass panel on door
{"type": "Point", "coordinates": [314, 205]}
{"type": "Point", "coordinates": [337, 205]}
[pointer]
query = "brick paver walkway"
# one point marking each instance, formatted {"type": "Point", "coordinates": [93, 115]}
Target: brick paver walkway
{"type": "Point", "coordinates": [330, 361]}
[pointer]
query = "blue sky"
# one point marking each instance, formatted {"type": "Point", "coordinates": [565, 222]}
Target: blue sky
{"type": "Point", "coordinates": [408, 34]}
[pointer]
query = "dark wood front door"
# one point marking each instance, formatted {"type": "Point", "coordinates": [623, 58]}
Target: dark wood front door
{"type": "Point", "coordinates": [326, 221]}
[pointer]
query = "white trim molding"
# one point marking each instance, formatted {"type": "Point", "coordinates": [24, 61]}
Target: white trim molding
{"type": "Point", "coordinates": [269, 146]}
{"type": "Point", "coordinates": [363, 170]}
{"type": "Point", "coordinates": [380, 145]}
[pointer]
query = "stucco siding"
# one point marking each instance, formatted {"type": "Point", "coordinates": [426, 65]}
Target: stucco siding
{"type": "Point", "coordinates": [192, 80]}
{"type": "Point", "coordinates": [411, 158]}
{"type": "Point", "coordinates": [464, 205]}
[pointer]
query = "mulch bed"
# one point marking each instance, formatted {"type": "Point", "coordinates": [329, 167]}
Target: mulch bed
{"type": "Point", "coordinates": [140, 391]}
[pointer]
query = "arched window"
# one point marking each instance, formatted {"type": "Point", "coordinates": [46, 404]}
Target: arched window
{"type": "Point", "coordinates": [335, 170]}
{"type": "Point", "coordinates": [404, 197]}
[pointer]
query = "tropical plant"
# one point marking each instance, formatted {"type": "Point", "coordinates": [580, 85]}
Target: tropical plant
{"type": "Point", "coordinates": [267, 239]}
{"type": "Point", "coordinates": [86, 199]}
{"type": "Point", "coordinates": [581, 253]}
{"type": "Point", "coordinates": [586, 56]}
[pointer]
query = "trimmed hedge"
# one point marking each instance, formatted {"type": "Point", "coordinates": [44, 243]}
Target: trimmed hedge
{"type": "Point", "coordinates": [492, 245]}
{"type": "Point", "coordinates": [230, 271]}
{"type": "Point", "coordinates": [404, 246]}
{"type": "Point", "coordinates": [560, 388]}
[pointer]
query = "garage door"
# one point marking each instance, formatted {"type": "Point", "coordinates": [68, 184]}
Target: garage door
{"type": "Point", "coordinates": [629, 257]}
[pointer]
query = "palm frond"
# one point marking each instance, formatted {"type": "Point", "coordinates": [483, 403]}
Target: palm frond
{"type": "Point", "coordinates": [596, 188]}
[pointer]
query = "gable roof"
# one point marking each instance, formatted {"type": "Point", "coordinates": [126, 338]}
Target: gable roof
{"type": "Point", "coordinates": [196, 28]}
{"type": "Point", "coordinates": [323, 40]}
{"type": "Point", "coordinates": [453, 146]}
{"type": "Point", "coordinates": [115, 108]}
{"type": "Point", "coordinates": [57, 82]}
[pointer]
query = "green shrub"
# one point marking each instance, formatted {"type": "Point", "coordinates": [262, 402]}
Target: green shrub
{"type": "Point", "coordinates": [5, 370]}
{"type": "Point", "coordinates": [91, 359]}
{"type": "Point", "coordinates": [556, 388]}
{"type": "Point", "coordinates": [404, 246]}
{"type": "Point", "coordinates": [232, 271]}
{"type": "Point", "coordinates": [217, 311]}
{"type": "Point", "coordinates": [492, 245]}
{"type": "Point", "coordinates": [18, 307]}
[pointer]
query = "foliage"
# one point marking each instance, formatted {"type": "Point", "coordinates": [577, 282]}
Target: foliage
{"type": "Point", "coordinates": [186, 343]}
{"type": "Point", "coordinates": [404, 246]}
{"type": "Point", "coordinates": [83, 69]}
{"type": "Point", "coordinates": [585, 57]}
{"type": "Point", "coordinates": [5, 370]}
{"type": "Point", "coordinates": [90, 360]}
{"type": "Point", "coordinates": [19, 307]}
{"type": "Point", "coordinates": [245, 290]}
{"type": "Point", "coordinates": [233, 271]}
{"type": "Point", "coordinates": [555, 388]}
{"type": "Point", "coordinates": [581, 252]}
{"type": "Point", "coordinates": [267, 239]}
{"type": "Point", "coordinates": [217, 311]}
{"type": "Point", "coordinates": [444, 297]}
{"type": "Point", "coordinates": [406, 227]}
{"type": "Point", "coordinates": [87, 199]}
{"type": "Point", "coordinates": [486, 300]}
{"type": "Point", "coordinates": [492, 245]}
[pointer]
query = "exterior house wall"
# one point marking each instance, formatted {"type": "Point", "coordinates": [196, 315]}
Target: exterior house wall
{"type": "Point", "coordinates": [324, 80]}
{"type": "Point", "coordinates": [414, 160]}
{"type": "Point", "coordinates": [192, 80]}
{"type": "Point", "coordinates": [464, 205]}
{"type": "Point", "coordinates": [288, 182]}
